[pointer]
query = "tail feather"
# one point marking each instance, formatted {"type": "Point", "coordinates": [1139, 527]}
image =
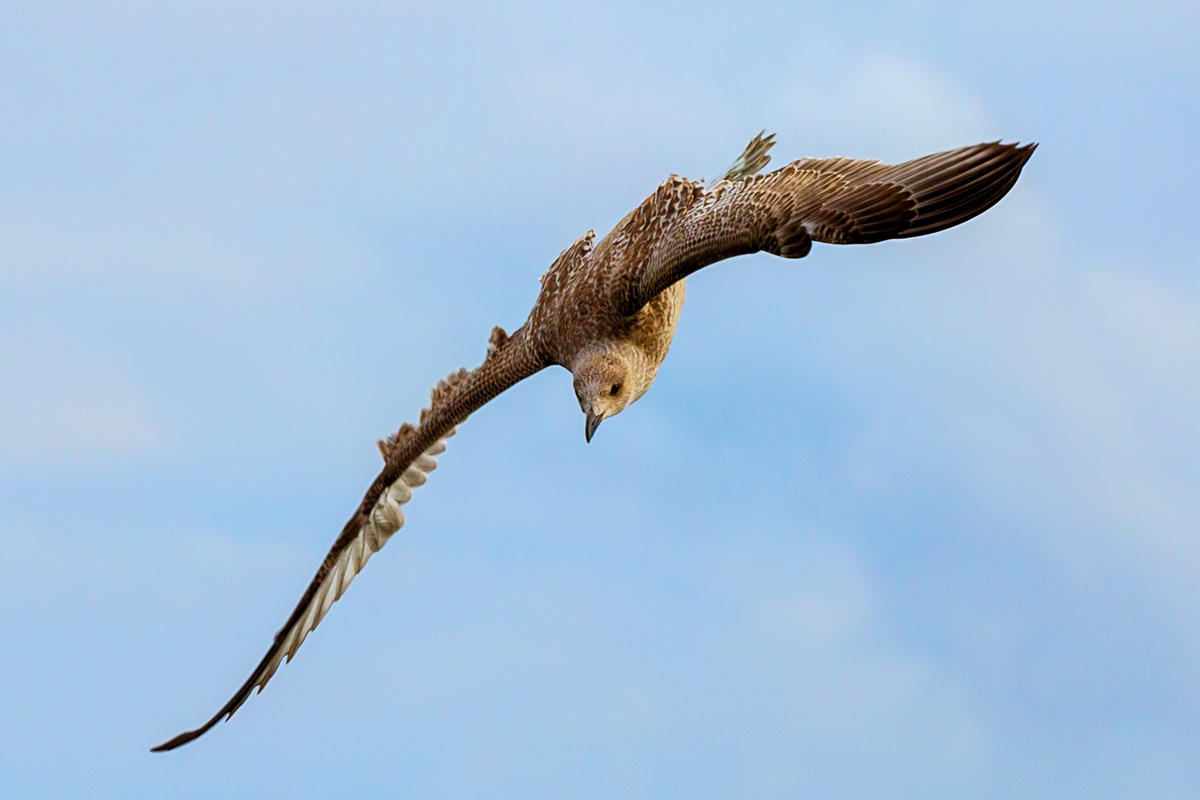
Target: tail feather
{"type": "Point", "coordinates": [753, 158]}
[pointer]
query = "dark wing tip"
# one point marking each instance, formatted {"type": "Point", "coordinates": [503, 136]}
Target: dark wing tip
{"type": "Point", "coordinates": [952, 187]}
{"type": "Point", "coordinates": [1026, 150]}
{"type": "Point", "coordinates": [181, 739]}
{"type": "Point", "coordinates": [234, 703]}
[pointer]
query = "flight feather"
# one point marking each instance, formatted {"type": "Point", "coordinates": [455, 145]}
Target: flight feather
{"type": "Point", "coordinates": [410, 455]}
{"type": "Point", "coordinates": [832, 200]}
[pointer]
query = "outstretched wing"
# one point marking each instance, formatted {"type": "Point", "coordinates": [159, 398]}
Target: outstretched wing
{"type": "Point", "coordinates": [410, 455]}
{"type": "Point", "coordinates": [833, 200]}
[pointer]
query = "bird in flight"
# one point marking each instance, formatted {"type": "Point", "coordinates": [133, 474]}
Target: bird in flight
{"type": "Point", "coordinates": [607, 311]}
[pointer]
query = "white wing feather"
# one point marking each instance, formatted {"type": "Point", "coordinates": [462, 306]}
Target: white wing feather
{"type": "Point", "coordinates": [384, 520]}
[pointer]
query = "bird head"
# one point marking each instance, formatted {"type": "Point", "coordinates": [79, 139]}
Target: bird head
{"type": "Point", "coordinates": [606, 382]}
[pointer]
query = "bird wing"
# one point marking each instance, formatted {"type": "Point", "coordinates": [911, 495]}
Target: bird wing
{"type": "Point", "coordinates": [410, 455]}
{"type": "Point", "coordinates": [832, 200]}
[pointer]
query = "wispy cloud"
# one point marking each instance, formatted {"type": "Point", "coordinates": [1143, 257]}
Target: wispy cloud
{"type": "Point", "coordinates": [909, 520]}
{"type": "Point", "coordinates": [866, 104]}
{"type": "Point", "coordinates": [66, 402]}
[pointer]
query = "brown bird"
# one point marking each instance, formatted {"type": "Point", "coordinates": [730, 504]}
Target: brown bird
{"type": "Point", "coordinates": [608, 313]}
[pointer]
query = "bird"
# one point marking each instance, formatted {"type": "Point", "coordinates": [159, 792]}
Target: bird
{"type": "Point", "coordinates": [607, 311]}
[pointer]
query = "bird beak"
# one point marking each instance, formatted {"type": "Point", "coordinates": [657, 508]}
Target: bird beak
{"type": "Point", "coordinates": [593, 422]}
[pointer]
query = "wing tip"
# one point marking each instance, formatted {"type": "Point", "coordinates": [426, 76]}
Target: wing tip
{"type": "Point", "coordinates": [179, 740]}
{"type": "Point", "coordinates": [1023, 151]}
{"type": "Point", "coordinates": [949, 196]}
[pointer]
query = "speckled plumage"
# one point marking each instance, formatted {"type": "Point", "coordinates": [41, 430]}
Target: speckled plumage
{"type": "Point", "coordinates": [607, 311]}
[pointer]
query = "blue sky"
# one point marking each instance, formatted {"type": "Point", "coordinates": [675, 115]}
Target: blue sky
{"type": "Point", "coordinates": [918, 519]}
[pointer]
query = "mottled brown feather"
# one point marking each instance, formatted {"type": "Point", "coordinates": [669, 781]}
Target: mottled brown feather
{"type": "Point", "coordinates": [612, 307]}
{"type": "Point", "coordinates": [836, 201]}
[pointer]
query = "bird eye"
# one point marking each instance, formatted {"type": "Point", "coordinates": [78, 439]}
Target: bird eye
{"type": "Point", "coordinates": [616, 387]}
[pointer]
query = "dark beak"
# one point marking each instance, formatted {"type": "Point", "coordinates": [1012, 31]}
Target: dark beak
{"type": "Point", "coordinates": [593, 422]}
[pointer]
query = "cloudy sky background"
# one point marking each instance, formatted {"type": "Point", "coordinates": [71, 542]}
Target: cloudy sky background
{"type": "Point", "coordinates": [914, 520]}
